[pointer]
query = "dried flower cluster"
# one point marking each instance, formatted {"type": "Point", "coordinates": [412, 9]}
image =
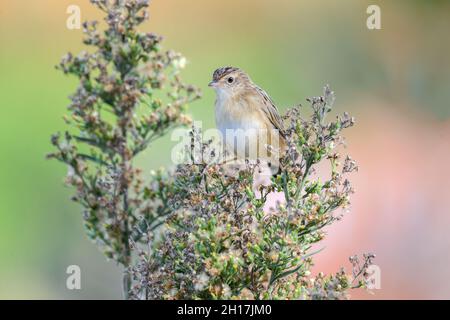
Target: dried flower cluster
{"type": "Point", "coordinates": [130, 93]}
{"type": "Point", "coordinates": [196, 232]}
{"type": "Point", "coordinates": [221, 242]}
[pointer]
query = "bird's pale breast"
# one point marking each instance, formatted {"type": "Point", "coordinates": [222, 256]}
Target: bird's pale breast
{"type": "Point", "coordinates": [241, 125]}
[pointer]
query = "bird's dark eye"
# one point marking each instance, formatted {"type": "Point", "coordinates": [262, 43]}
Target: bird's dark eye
{"type": "Point", "coordinates": [230, 80]}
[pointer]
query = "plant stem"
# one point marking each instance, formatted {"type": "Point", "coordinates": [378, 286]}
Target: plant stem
{"type": "Point", "coordinates": [126, 231]}
{"type": "Point", "coordinates": [126, 283]}
{"type": "Point", "coordinates": [302, 184]}
{"type": "Point", "coordinates": [127, 251]}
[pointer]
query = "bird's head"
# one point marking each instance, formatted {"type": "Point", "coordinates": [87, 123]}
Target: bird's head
{"type": "Point", "coordinates": [229, 81]}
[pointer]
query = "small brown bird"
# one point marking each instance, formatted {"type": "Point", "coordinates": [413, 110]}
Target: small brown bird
{"type": "Point", "coordinates": [246, 117]}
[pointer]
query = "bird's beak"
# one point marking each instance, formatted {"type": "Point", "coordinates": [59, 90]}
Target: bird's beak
{"type": "Point", "coordinates": [212, 84]}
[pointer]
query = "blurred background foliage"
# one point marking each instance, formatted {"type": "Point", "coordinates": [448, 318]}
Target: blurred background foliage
{"type": "Point", "coordinates": [395, 81]}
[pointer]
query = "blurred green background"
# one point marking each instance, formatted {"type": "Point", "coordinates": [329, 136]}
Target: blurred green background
{"type": "Point", "coordinates": [395, 81]}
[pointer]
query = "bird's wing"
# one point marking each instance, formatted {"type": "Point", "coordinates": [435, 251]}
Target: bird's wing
{"type": "Point", "coordinates": [271, 111]}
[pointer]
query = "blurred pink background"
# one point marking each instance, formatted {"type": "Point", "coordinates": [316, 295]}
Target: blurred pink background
{"type": "Point", "coordinates": [401, 207]}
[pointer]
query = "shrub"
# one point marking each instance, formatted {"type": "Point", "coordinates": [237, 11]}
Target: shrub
{"type": "Point", "coordinates": [220, 240]}
{"type": "Point", "coordinates": [194, 232]}
{"type": "Point", "coordinates": [130, 93]}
